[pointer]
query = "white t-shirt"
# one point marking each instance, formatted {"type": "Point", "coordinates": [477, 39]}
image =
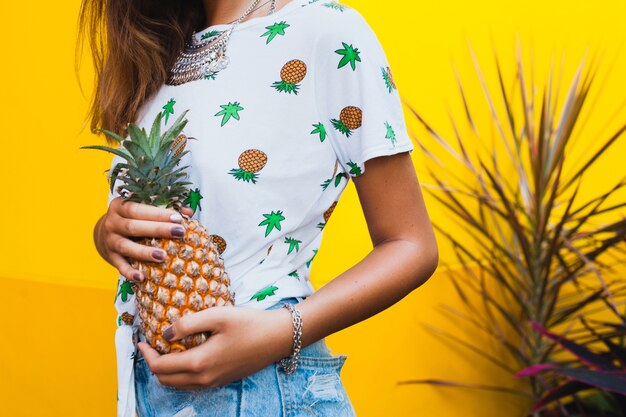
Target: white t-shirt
{"type": "Point", "coordinates": [306, 99]}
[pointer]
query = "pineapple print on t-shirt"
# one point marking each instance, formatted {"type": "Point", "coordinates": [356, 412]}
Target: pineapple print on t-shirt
{"type": "Point", "coordinates": [274, 144]}
{"type": "Point", "coordinates": [274, 138]}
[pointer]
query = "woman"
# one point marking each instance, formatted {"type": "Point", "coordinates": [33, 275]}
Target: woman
{"type": "Point", "coordinates": [306, 89]}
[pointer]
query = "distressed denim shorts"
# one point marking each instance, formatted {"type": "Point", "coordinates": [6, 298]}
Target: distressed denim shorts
{"type": "Point", "coordinates": [314, 389]}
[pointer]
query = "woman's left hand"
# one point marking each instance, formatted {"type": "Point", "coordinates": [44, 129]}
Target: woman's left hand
{"type": "Point", "coordinates": [242, 342]}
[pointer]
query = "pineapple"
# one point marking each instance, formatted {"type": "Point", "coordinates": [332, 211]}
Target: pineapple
{"type": "Point", "coordinates": [291, 74]}
{"type": "Point", "coordinates": [179, 144]}
{"type": "Point", "coordinates": [220, 242]}
{"type": "Point", "coordinates": [355, 169]}
{"type": "Point", "coordinates": [250, 163]}
{"type": "Point", "coordinates": [391, 135]}
{"type": "Point", "coordinates": [127, 318]}
{"type": "Point", "coordinates": [388, 77]}
{"type": "Point", "coordinates": [193, 200]}
{"type": "Point", "coordinates": [329, 211]}
{"type": "Point", "coordinates": [350, 118]}
{"type": "Point", "coordinates": [192, 277]}
{"type": "Point", "coordinates": [327, 214]}
{"type": "Point", "coordinates": [334, 4]}
{"type": "Point", "coordinates": [337, 177]}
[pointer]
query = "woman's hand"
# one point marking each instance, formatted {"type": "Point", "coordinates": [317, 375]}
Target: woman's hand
{"type": "Point", "coordinates": [125, 219]}
{"type": "Point", "coordinates": [242, 342]}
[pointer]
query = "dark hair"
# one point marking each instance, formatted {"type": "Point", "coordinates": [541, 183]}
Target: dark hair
{"type": "Point", "coordinates": [133, 44]}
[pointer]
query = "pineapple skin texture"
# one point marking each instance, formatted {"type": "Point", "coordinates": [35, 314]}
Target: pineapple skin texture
{"type": "Point", "coordinates": [190, 279]}
{"type": "Point", "coordinates": [293, 71]}
{"type": "Point", "coordinates": [351, 117]}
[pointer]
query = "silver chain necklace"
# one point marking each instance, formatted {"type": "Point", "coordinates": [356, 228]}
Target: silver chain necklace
{"type": "Point", "coordinates": [204, 57]}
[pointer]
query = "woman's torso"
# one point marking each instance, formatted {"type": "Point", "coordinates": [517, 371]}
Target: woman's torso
{"type": "Point", "coordinates": [264, 176]}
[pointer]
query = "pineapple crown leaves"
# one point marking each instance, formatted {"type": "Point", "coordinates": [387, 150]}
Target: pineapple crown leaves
{"type": "Point", "coordinates": [150, 174]}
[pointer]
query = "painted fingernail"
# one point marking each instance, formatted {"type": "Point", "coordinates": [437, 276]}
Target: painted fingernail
{"type": "Point", "coordinates": [169, 333]}
{"type": "Point", "coordinates": [137, 276]}
{"type": "Point", "coordinates": [176, 218]}
{"type": "Point", "coordinates": [178, 231]}
{"type": "Point", "coordinates": [157, 254]}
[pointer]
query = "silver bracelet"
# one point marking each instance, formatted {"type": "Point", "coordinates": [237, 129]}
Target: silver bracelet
{"type": "Point", "coordinates": [290, 364]}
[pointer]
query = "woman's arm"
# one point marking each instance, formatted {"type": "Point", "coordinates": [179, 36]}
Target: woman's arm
{"type": "Point", "coordinates": [405, 251]}
{"type": "Point", "coordinates": [244, 340]}
{"type": "Point", "coordinates": [97, 239]}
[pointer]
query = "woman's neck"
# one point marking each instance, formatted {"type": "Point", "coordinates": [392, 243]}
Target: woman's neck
{"type": "Point", "coordinates": [226, 11]}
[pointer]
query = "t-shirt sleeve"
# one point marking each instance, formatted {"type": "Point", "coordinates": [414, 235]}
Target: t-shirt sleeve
{"type": "Point", "coordinates": [356, 95]}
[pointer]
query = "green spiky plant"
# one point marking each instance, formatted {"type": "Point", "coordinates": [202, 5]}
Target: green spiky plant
{"type": "Point", "coordinates": [191, 277]}
{"type": "Point", "coordinates": [533, 248]}
{"type": "Point", "coordinates": [150, 174]}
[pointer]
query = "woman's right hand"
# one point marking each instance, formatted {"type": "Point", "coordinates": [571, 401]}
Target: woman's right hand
{"type": "Point", "coordinates": [126, 219]}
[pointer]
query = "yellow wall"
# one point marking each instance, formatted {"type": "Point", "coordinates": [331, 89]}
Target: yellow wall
{"type": "Point", "coordinates": [56, 355]}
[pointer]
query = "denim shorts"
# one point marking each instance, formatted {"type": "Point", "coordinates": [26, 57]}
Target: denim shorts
{"type": "Point", "coordinates": [314, 389]}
